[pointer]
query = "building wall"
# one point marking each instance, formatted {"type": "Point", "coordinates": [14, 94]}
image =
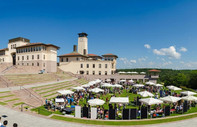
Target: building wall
{"type": "Point", "coordinates": [76, 66]}
{"type": "Point", "coordinates": [82, 44]}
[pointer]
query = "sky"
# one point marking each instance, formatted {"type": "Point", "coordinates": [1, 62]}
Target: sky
{"type": "Point", "coordinates": [143, 33]}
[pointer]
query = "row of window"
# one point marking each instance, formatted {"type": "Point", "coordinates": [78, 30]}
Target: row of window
{"type": "Point", "coordinates": [31, 49]}
{"type": "Point", "coordinates": [31, 64]}
{"type": "Point", "coordinates": [32, 57]}
{"type": "Point", "coordinates": [13, 46]}
{"type": "Point", "coordinates": [93, 73]}
{"type": "Point", "coordinates": [2, 53]}
{"type": "Point", "coordinates": [93, 66]}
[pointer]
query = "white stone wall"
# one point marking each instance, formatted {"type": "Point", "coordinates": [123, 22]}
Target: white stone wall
{"type": "Point", "coordinates": [82, 44]}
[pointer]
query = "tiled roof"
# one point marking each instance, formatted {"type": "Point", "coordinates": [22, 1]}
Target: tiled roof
{"type": "Point", "coordinates": [73, 54]}
{"type": "Point", "coordinates": [4, 49]}
{"type": "Point", "coordinates": [154, 70]}
{"type": "Point", "coordinates": [38, 43]}
{"type": "Point", "coordinates": [110, 54]}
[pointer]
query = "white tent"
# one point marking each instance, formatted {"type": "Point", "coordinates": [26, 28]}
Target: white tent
{"type": "Point", "coordinates": [138, 85]}
{"type": "Point", "coordinates": [173, 88]}
{"type": "Point", "coordinates": [143, 73]}
{"type": "Point", "coordinates": [145, 94]}
{"type": "Point", "coordinates": [150, 101]}
{"type": "Point", "coordinates": [188, 93]}
{"type": "Point", "coordinates": [134, 72]}
{"type": "Point", "coordinates": [158, 85]}
{"type": "Point", "coordinates": [170, 99]}
{"type": "Point", "coordinates": [85, 85]}
{"type": "Point", "coordinates": [129, 72]}
{"type": "Point", "coordinates": [78, 88]}
{"type": "Point", "coordinates": [123, 80]}
{"type": "Point", "coordinates": [150, 83]}
{"type": "Point", "coordinates": [121, 72]}
{"type": "Point", "coordinates": [95, 102]}
{"type": "Point", "coordinates": [96, 90]}
{"type": "Point", "coordinates": [117, 86]}
{"type": "Point", "coordinates": [189, 98]}
{"type": "Point", "coordinates": [59, 100]}
{"type": "Point", "coordinates": [119, 100]}
{"type": "Point", "coordinates": [108, 80]}
{"type": "Point", "coordinates": [65, 92]}
{"type": "Point", "coordinates": [131, 81]}
{"type": "Point", "coordinates": [107, 85]}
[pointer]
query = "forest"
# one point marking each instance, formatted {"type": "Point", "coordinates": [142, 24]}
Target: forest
{"type": "Point", "coordinates": [180, 78]}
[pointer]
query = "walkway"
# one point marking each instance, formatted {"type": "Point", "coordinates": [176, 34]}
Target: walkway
{"type": "Point", "coordinates": [27, 120]}
{"type": "Point", "coordinates": [34, 85]}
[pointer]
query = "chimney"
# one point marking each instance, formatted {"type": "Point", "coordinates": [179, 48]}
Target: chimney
{"type": "Point", "coordinates": [75, 48]}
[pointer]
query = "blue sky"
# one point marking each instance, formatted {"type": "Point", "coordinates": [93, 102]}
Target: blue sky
{"type": "Point", "coordinates": [143, 33]}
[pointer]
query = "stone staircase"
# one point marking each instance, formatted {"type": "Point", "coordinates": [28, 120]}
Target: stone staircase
{"type": "Point", "coordinates": [22, 70]}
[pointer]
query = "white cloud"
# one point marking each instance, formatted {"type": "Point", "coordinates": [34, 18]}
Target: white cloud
{"type": "Point", "coordinates": [133, 61]}
{"type": "Point", "coordinates": [183, 49]}
{"type": "Point", "coordinates": [147, 46]}
{"type": "Point", "coordinates": [142, 59]}
{"type": "Point", "coordinates": [167, 63]}
{"type": "Point", "coordinates": [169, 52]}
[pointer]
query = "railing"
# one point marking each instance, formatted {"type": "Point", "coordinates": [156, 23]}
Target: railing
{"type": "Point", "coordinates": [7, 69]}
{"type": "Point", "coordinates": [6, 83]}
{"type": "Point", "coordinates": [31, 94]}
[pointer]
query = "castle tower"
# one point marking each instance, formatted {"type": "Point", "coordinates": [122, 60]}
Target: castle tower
{"type": "Point", "coordinates": [83, 43]}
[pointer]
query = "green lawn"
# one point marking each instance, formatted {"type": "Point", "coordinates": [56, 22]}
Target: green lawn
{"type": "Point", "coordinates": [20, 103]}
{"type": "Point", "coordinates": [2, 103]}
{"type": "Point", "coordinates": [12, 100]}
{"type": "Point", "coordinates": [6, 96]}
{"type": "Point", "coordinates": [123, 123]}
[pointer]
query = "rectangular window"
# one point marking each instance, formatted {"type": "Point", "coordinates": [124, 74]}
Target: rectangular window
{"type": "Point", "coordinates": [99, 72]}
{"type": "Point", "coordinates": [77, 59]}
{"type": "Point", "coordinates": [38, 64]}
{"type": "Point", "coordinates": [93, 65]}
{"type": "Point", "coordinates": [105, 72]}
{"type": "Point", "coordinates": [27, 57]}
{"type": "Point", "coordinates": [38, 57]}
{"type": "Point", "coordinates": [27, 64]}
{"type": "Point", "coordinates": [62, 60]}
{"type": "Point", "coordinates": [81, 65]}
{"type": "Point", "coordinates": [66, 59]}
{"type": "Point", "coordinates": [93, 72]}
{"type": "Point", "coordinates": [18, 58]}
{"type": "Point", "coordinates": [87, 65]}
{"type": "Point", "coordinates": [22, 57]}
{"type": "Point", "coordinates": [44, 57]}
{"type": "Point", "coordinates": [105, 65]}
{"type": "Point", "coordinates": [99, 65]}
{"type": "Point", "coordinates": [32, 64]}
{"type": "Point", "coordinates": [32, 57]}
{"type": "Point", "coordinates": [87, 72]}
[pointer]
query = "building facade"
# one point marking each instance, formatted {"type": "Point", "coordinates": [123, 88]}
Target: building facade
{"type": "Point", "coordinates": [21, 52]}
{"type": "Point", "coordinates": [80, 62]}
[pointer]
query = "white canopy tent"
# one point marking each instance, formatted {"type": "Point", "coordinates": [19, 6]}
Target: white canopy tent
{"type": "Point", "coordinates": [150, 83]}
{"type": "Point", "coordinates": [173, 88]}
{"type": "Point", "coordinates": [65, 92]}
{"type": "Point", "coordinates": [145, 94]}
{"type": "Point", "coordinates": [158, 85]}
{"type": "Point", "coordinates": [78, 88]}
{"type": "Point", "coordinates": [123, 80]}
{"type": "Point", "coordinates": [107, 85]}
{"type": "Point", "coordinates": [96, 90]}
{"type": "Point", "coordinates": [108, 80]}
{"type": "Point", "coordinates": [143, 73]}
{"type": "Point", "coordinates": [189, 98]}
{"type": "Point", "coordinates": [170, 99]}
{"type": "Point", "coordinates": [134, 72]}
{"type": "Point", "coordinates": [131, 81]}
{"type": "Point", "coordinates": [117, 86]}
{"type": "Point", "coordinates": [150, 101]}
{"type": "Point", "coordinates": [138, 85]}
{"type": "Point", "coordinates": [188, 93]}
{"type": "Point", "coordinates": [121, 72]}
{"type": "Point", "coordinates": [119, 100]}
{"type": "Point", "coordinates": [59, 100]}
{"type": "Point", "coordinates": [85, 85]}
{"type": "Point", "coordinates": [95, 102]}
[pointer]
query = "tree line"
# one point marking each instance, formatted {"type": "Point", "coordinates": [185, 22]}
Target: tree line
{"type": "Point", "coordinates": [179, 78]}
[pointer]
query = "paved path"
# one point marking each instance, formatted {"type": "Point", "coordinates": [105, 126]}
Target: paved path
{"type": "Point", "coordinates": [27, 120]}
{"type": "Point", "coordinates": [34, 85]}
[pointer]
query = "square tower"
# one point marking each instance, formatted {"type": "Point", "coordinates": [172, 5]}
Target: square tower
{"type": "Point", "coordinates": [83, 43]}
